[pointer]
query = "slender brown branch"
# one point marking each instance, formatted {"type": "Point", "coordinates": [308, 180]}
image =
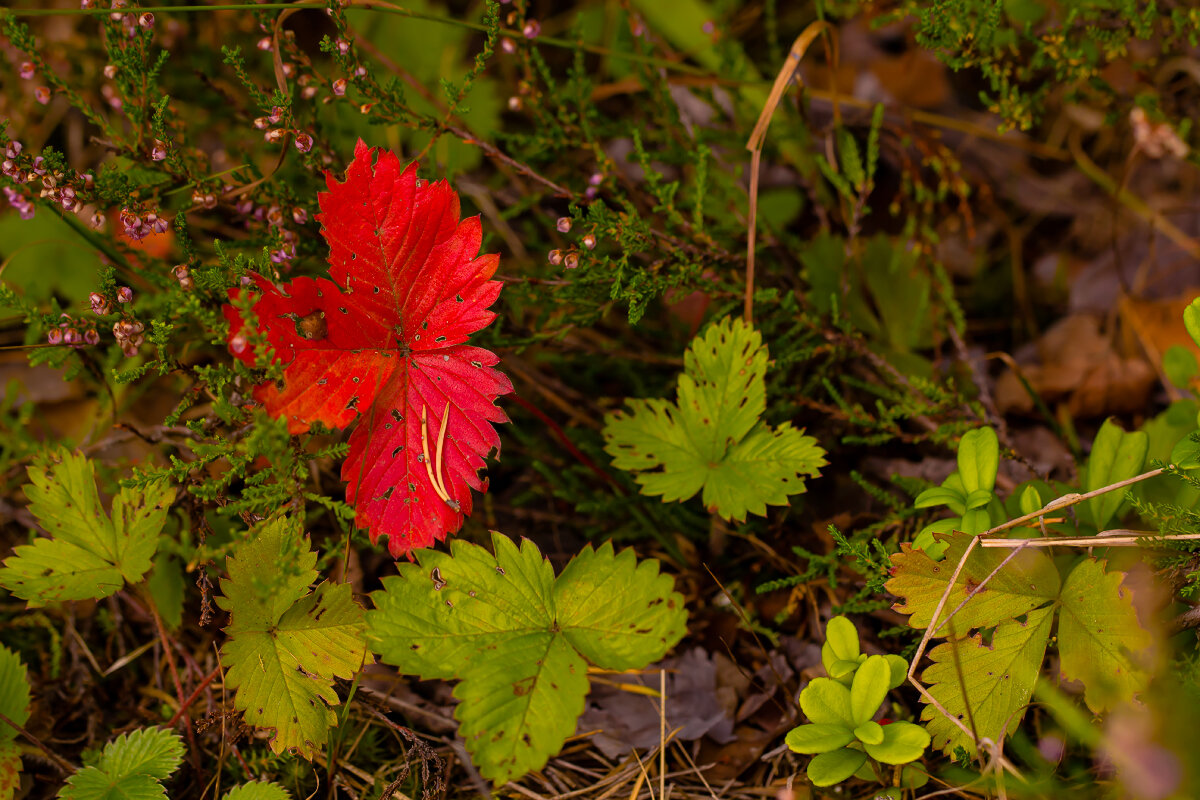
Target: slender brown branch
{"type": "Point", "coordinates": [63, 765]}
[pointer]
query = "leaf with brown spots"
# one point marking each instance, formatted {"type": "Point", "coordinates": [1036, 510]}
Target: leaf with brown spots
{"type": "Point", "coordinates": [384, 338]}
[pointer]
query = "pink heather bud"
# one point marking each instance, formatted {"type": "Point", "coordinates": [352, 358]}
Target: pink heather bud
{"type": "Point", "coordinates": [182, 274]}
{"type": "Point", "coordinates": [124, 294]}
{"type": "Point", "coordinates": [159, 151]}
{"type": "Point", "coordinates": [343, 46]}
{"type": "Point", "coordinates": [88, 180]}
{"type": "Point", "coordinates": [276, 114]}
{"type": "Point", "coordinates": [589, 241]}
{"type": "Point", "coordinates": [360, 71]}
{"type": "Point", "coordinates": [161, 225]}
{"type": "Point", "coordinates": [64, 320]}
{"type": "Point", "coordinates": [98, 220]}
{"type": "Point", "coordinates": [237, 345]}
{"type": "Point", "coordinates": [339, 87]}
{"type": "Point", "coordinates": [55, 336]}
{"type": "Point", "coordinates": [591, 193]}
{"type": "Point", "coordinates": [273, 136]}
{"type": "Point", "coordinates": [42, 94]}
{"type": "Point", "coordinates": [564, 224]}
{"type": "Point", "coordinates": [99, 304]}
{"type": "Point", "coordinates": [68, 203]}
{"type": "Point", "coordinates": [299, 215]}
{"type": "Point", "coordinates": [262, 123]}
{"type": "Point", "coordinates": [264, 44]}
{"type": "Point", "coordinates": [91, 336]}
{"type": "Point", "coordinates": [514, 103]}
{"type": "Point", "coordinates": [38, 169]}
{"type": "Point", "coordinates": [26, 71]}
{"type": "Point", "coordinates": [14, 149]}
{"type": "Point", "coordinates": [85, 4]}
{"type": "Point", "coordinates": [531, 29]}
{"type": "Point", "coordinates": [308, 92]}
{"type": "Point", "coordinates": [508, 46]}
{"type": "Point", "coordinates": [129, 349]}
{"type": "Point", "coordinates": [596, 179]}
{"type": "Point", "coordinates": [110, 71]}
{"type": "Point", "coordinates": [571, 261]}
{"type": "Point", "coordinates": [274, 215]}
{"type": "Point", "coordinates": [555, 257]}
{"type": "Point", "coordinates": [365, 108]}
{"type": "Point", "coordinates": [72, 337]}
{"type": "Point", "coordinates": [146, 20]}
{"type": "Point", "coordinates": [288, 69]}
{"type": "Point", "coordinates": [209, 201]}
{"type": "Point", "coordinates": [303, 142]}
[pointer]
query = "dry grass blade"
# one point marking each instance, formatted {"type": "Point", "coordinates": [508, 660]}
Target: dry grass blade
{"type": "Point", "coordinates": [754, 145]}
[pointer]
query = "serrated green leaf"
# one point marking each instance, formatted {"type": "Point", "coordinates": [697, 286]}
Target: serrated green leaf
{"type": "Point", "coordinates": [285, 647]}
{"type": "Point", "coordinates": [827, 702]}
{"type": "Point", "coordinates": [870, 686]}
{"type": "Point", "coordinates": [516, 637]}
{"type": "Point", "coordinates": [979, 459]}
{"type": "Point", "coordinates": [90, 555]}
{"type": "Point", "coordinates": [1116, 456]}
{"type": "Point", "coordinates": [130, 768]}
{"type": "Point", "coordinates": [147, 751]}
{"type": "Point", "coordinates": [712, 441]}
{"type": "Point", "coordinates": [1098, 631]}
{"type": "Point", "coordinates": [258, 790]}
{"type": "Point", "coordinates": [834, 767]}
{"type": "Point", "coordinates": [813, 739]}
{"type": "Point", "coordinates": [1027, 581]}
{"type": "Point", "coordinates": [14, 704]}
{"type": "Point", "coordinates": [90, 783]}
{"type": "Point", "coordinates": [994, 681]}
{"type": "Point", "coordinates": [900, 743]}
{"type": "Point", "coordinates": [10, 770]}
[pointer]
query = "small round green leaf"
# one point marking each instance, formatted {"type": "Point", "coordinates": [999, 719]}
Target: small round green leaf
{"type": "Point", "coordinates": [899, 670]}
{"type": "Point", "coordinates": [979, 459]}
{"type": "Point", "coordinates": [1191, 320]}
{"type": "Point", "coordinates": [1179, 363]}
{"type": "Point", "coordinates": [869, 733]}
{"type": "Point", "coordinates": [902, 742]}
{"type": "Point", "coordinates": [841, 637]}
{"type": "Point", "coordinates": [826, 702]}
{"type": "Point", "coordinates": [835, 767]}
{"type": "Point", "coordinates": [1031, 500]}
{"type": "Point", "coordinates": [870, 686]}
{"type": "Point", "coordinates": [812, 739]}
{"type": "Point", "coordinates": [841, 669]}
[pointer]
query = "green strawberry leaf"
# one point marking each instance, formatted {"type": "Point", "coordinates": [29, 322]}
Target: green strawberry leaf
{"type": "Point", "coordinates": [517, 638]}
{"type": "Point", "coordinates": [834, 767]}
{"type": "Point", "coordinates": [286, 644]}
{"type": "Point", "coordinates": [1116, 456]}
{"type": "Point", "coordinates": [1027, 581]}
{"type": "Point", "coordinates": [258, 790]}
{"type": "Point", "coordinates": [712, 440]}
{"type": "Point", "coordinates": [900, 743]}
{"type": "Point", "coordinates": [987, 685]}
{"type": "Point", "coordinates": [1098, 630]}
{"type": "Point", "coordinates": [131, 767]}
{"type": "Point", "coordinates": [90, 555]}
{"type": "Point", "coordinates": [14, 704]}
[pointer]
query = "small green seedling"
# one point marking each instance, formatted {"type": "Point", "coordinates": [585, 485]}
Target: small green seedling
{"type": "Point", "coordinates": [842, 708]}
{"type": "Point", "coordinates": [968, 492]}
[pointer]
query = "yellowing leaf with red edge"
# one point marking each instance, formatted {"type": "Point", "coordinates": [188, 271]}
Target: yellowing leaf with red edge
{"type": "Point", "coordinates": [1027, 581]}
{"type": "Point", "coordinates": [383, 338]}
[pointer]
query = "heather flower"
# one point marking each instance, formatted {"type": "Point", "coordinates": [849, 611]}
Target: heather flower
{"type": "Point", "coordinates": [42, 94]}
{"type": "Point", "coordinates": [159, 151]}
{"type": "Point", "coordinates": [124, 294]}
{"type": "Point", "coordinates": [564, 224]}
{"type": "Point", "coordinates": [303, 142]}
{"type": "Point", "coordinates": [99, 303]}
{"type": "Point", "coordinates": [55, 336]}
{"type": "Point", "coordinates": [26, 71]}
{"type": "Point", "coordinates": [571, 260]}
{"type": "Point", "coordinates": [339, 87]}
{"type": "Point", "coordinates": [299, 215]}
{"type": "Point", "coordinates": [531, 29]}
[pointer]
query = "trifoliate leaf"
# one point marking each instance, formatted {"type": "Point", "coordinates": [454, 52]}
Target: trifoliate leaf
{"type": "Point", "coordinates": [1116, 456]}
{"type": "Point", "coordinates": [517, 638]}
{"type": "Point", "coordinates": [90, 555]}
{"type": "Point", "coordinates": [1027, 581]}
{"type": "Point", "coordinates": [1098, 631]}
{"type": "Point", "coordinates": [986, 685]}
{"type": "Point", "coordinates": [286, 645]}
{"type": "Point", "coordinates": [14, 704]}
{"type": "Point", "coordinates": [711, 440]}
{"type": "Point", "coordinates": [131, 767]}
{"type": "Point", "coordinates": [258, 790]}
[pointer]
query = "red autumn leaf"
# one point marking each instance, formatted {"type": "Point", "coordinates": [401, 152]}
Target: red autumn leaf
{"type": "Point", "coordinates": [384, 339]}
